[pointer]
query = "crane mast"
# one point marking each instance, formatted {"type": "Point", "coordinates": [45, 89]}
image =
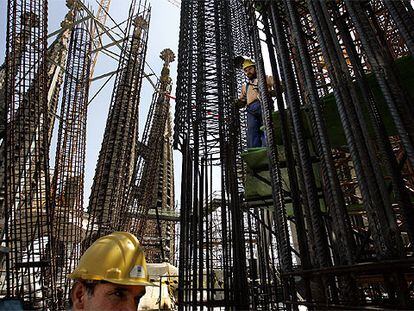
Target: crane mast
{"type": "Point", "coordinates": [101, 17]}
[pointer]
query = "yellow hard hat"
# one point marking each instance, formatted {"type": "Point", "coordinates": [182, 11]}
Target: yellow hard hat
{"type": "Point", "coordinates": [247, 63]}
{"type": "Point", "coordinates": [116, 258]}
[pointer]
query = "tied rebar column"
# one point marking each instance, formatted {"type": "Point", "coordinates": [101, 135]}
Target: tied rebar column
{"type": "Point", "coordinates": [69, 170]}
{"type": "Point", "coordinates": [28, 268]}
{"type": "Point", "coordinates": [212, 255]}
{"type": "Point", "coordinates": [18, 51]}
{"type": "Point", "coordinates": [118, 155]}
{"type": "Point", "coordinates": [167, 217]}
{"type": "Point", "coordinates": [55, 62]}
{"type": "Point", "coordinates": [144, 191]}
{"type": "Point", "coordinates": [242, 45]}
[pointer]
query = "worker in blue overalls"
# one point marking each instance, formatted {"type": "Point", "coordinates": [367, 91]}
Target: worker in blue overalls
{"type": "Point", "coordinates": [250, 98]}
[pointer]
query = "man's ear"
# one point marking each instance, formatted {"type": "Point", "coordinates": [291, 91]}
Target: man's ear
{"type": "Point", "coordinates": [78, 296]}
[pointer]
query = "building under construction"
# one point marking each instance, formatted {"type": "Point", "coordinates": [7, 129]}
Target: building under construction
{"type": "Point", "coordinates": [322, 218]}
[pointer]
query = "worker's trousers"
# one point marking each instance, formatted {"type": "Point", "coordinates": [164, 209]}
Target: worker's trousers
{"type": "Point", "coordinates": [255, 136]}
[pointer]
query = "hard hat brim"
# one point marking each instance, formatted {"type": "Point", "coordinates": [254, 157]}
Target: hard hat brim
{"type": "Point", "coordinates": [138, 283]}
{"type": "Point", "coordinates": [114, 281]}
{"type": "Point", "coordinates": [245, 67]}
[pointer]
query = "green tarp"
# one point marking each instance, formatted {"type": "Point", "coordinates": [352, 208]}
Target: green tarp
{"type": "Point", "coordinates": [257, 183]}
{"type": "Point", "coordinates": [405, 69]}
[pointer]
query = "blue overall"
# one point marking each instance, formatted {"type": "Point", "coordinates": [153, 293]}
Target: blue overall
{"type": "Point", "coordinates": [255, 136]}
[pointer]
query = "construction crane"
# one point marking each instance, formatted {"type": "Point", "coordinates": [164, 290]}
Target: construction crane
{"type": "Point", "coordinates": [97, 32]}
{"type": "Point", "coordinates": [176, 3]}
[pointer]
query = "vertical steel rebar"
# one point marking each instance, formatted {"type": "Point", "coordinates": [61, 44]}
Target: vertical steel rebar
{"type": "Point", "coordinates": [205, 115]}
{"type": "Point", "coordinates": [281, 228]}
{"type": "Point", "coordinates": [395, 96]}
{"type": "Point", "coordinates": [313, 49]}
{"type": "Point", "coordinates": [315, 223]}
{"type": "Point", "coordinates": [334, 196]}
{"type": "Point", "coordinates": [384, 145]}
{"type": "Point", "coordinates": [369, 177]}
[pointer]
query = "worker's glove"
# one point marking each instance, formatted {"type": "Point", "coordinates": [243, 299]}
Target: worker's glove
{"type": "Point", "coordinates": [240, 103]}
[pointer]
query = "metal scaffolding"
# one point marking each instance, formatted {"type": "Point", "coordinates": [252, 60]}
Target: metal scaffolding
{"type": "Point", "coordinates": [118, 155]}
{"type": "Point", "coordinates": [154, 159]}
{"type": "Point", "coordinates": [68, 179]}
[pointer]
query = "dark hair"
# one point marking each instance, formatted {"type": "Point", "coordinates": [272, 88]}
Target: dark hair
{"type": "Point", "coordinates": [89, 285]}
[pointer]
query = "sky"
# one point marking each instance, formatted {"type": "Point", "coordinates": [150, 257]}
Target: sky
{"type": "Point", "coordinates": [163, 33]}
